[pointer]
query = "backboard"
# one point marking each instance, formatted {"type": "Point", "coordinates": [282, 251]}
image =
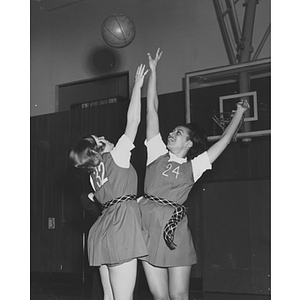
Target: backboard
{"type": "Point", "coordinates": [216, 90]}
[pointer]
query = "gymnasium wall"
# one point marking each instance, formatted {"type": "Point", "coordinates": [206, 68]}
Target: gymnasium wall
{"type": "Point", "coordinates": [57, 217]}
{"type": "Point", "coordinates": [229, 207]}
{"type": "Point", "coordinates": [229, 216]}
{"type": "Point", "coordinates": [65, 41]}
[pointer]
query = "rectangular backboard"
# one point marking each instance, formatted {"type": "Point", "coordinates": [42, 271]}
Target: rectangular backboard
{"type": "Point", "coordinates": [212, 91]}
{"type": "Point", "coordinates": [228, 103]}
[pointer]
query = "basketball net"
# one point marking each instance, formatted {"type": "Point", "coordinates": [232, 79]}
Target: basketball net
{"type": "Point", "coordinates": [224, 118]}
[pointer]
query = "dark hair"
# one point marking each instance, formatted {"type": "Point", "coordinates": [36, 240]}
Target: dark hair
{"type": "Point", "coordinates": [199, 139]}
{"type": "Point", "coordinates": [86, 154]}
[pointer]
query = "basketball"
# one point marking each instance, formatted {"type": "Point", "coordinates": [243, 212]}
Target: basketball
{"type": "Point", "coordinates": [118, 31]}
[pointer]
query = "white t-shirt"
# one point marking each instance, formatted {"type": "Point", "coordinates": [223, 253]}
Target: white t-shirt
{"type": "Point", "coordinates": [121, 153]}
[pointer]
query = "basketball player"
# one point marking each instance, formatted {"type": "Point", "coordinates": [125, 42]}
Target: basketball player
{"type": "Point", "coordinates": [171, 172]}
{"type": "Point", "coordinates": [115, 240]}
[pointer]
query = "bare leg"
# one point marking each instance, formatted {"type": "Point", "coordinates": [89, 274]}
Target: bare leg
{"type": "Point", "coordinates": [122, 279]}
{"type": "Point", "coordinates": [104, 275]}
{"type": "Point", "coordinates": [157, 279]}
{"type": "Point", "coordinates": [179, 279]}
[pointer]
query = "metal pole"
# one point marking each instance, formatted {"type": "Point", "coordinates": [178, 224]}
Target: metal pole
{"type": "Point", "coordinates": [247, 33]}
{"type": "Point", "coordinates": [245, 53]}
{"type": "Point", "coordinates": [262, 43]}
{"type": "Point", "coordinates": [187, 100]}
{"type": "Point", "coordinates": [234, 21]}
{"type": "Point", "coordinates": [226, 39]}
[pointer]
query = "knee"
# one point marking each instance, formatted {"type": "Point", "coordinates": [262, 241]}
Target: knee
{"type": "Point", "coordinates": [179, 295]}
{"type": "Point", "coordinates": [161, 298]}
{"type": "Point", "coordinates": [158, 296]}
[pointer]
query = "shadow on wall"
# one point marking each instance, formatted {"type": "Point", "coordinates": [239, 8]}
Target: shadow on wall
{"type": "Point", "coordinates": [101, 60]}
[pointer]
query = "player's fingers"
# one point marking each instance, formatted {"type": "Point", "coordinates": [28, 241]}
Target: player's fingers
{"type": "Point", "coordinates": [159, 56]}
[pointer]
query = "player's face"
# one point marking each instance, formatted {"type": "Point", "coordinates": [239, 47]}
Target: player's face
{"type": "Point", "coordinates": [101, 141]}
{"type": "Point", "coordinates": [178, 138]}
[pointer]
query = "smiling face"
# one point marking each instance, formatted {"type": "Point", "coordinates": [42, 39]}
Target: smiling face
{"type": "Point", "coordinates": [102, 142]}
{"type": "Point", "coordinates": [179, 141]}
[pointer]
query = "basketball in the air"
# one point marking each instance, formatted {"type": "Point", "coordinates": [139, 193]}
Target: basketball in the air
{"type": "Point", "coordinates": [118, 31]}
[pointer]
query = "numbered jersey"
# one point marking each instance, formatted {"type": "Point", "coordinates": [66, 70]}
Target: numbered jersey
{"type": "Point", "coordinates": [115, 176]}
{"type": "Point", "coordinates": [170, 177]}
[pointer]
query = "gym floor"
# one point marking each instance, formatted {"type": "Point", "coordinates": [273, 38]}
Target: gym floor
{"type": "Point", "coordinates": [49, 287]}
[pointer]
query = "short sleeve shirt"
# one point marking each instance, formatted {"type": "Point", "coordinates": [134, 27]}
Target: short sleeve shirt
{"type": "Point", "coordinates": [115, 176]}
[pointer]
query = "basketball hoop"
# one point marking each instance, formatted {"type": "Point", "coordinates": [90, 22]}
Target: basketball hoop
{"type": "Point", "coordinates": [224, 118]}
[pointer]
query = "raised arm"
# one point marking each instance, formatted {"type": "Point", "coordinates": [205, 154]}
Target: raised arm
{"type": "Point", "coordinates": [134, 109]}
{"type": "Point", "coordinates": [215, 150]}
{"type": "Point", "coordinates": [152, 121]}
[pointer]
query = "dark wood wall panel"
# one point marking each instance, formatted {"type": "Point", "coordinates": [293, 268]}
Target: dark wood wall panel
{"type": "Point", "coordinates": [259, 195]}
{"type": "Point", "coordinates": [56, 186]}
{"type": "Point", "coordinates": [51, 249]}
{"type": "Point", "coordinates": [236, 231]}
{"type": "Point", "coordinates": [239, 162]}
{"type": "Point", "coordinates": [243, 160]}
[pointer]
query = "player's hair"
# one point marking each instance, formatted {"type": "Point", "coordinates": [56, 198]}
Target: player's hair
{"type": "Point", "coordinates": [198, 137]}
{"type": "Point", "coordinates": [86, 154]}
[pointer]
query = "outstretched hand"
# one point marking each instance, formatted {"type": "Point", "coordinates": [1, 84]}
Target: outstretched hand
{"type": "Point", "coordinates": [140, 75]}
{"type": "Point", "coordinates": [243, 105]}
{"type": "Point", "coordinates": [153, 61]}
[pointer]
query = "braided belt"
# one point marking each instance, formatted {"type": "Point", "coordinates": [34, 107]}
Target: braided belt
{"type": "Point", "coordinates": [118, 200]}
{"type": "Point", "coordinates": [177, 216]}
